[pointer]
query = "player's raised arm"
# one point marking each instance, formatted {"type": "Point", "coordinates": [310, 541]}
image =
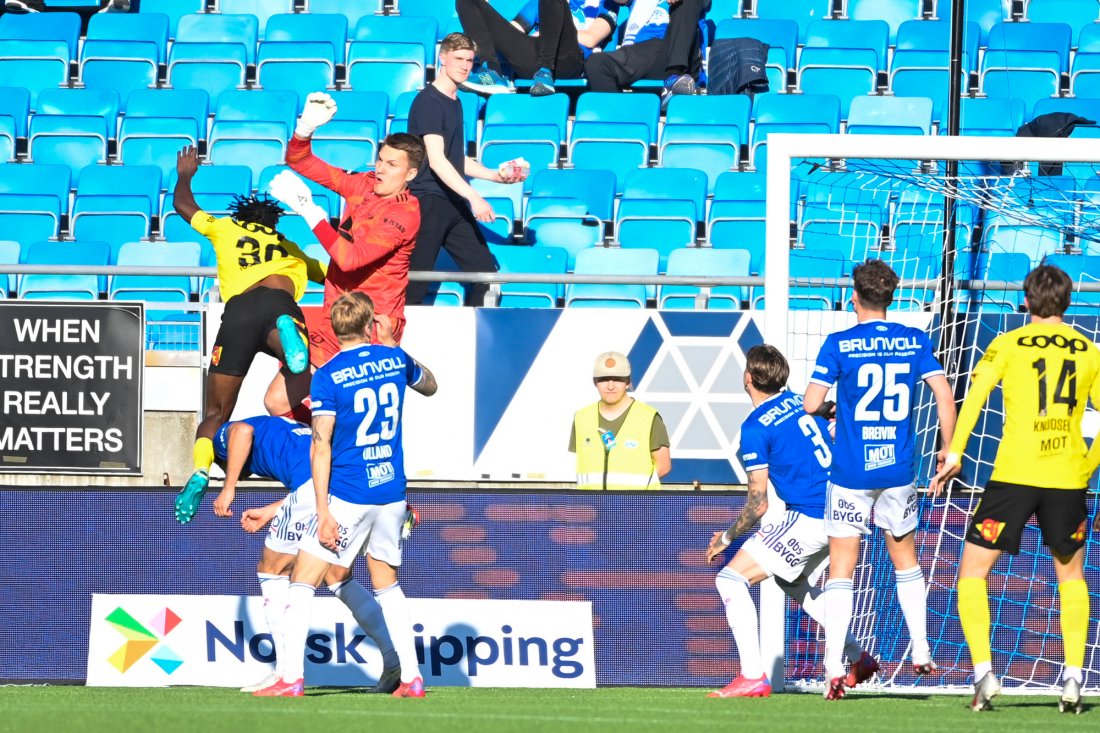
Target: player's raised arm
{"type": "Point", "coordinates": [183, 199]}
{"type": "Point", "coordinates": [238, 447]}
{"type": "Point", "coordinates": [755, 505]}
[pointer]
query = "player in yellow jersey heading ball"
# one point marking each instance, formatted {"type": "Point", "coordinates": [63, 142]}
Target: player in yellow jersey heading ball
{"type": "Point", "coordinates": [261, 275]}
{"type": "Point", "coordinates": [1048, 371]}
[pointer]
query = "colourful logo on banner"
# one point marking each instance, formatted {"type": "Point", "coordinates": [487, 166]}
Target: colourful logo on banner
{"type": "Point", "coordinates": [141, 641]}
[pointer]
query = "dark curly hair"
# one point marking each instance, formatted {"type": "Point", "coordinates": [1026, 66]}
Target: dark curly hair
{"type": "Point", "coordinates": [261, 209]}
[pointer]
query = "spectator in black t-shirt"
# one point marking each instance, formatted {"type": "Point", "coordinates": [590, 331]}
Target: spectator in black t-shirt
{"type": "Point", "coordinates": [449, 206]}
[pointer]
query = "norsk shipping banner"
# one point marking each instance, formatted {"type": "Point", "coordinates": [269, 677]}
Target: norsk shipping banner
{"type": "Point", "coordinates": [71, 387]}
{"type": "Point", "coordinates": [222, 641]}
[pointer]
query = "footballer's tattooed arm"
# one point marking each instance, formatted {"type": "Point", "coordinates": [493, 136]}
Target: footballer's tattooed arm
{"type": "Point", "coordinates": [426, 385]}
{"type": "Point", "coordinates": [755, 506]}
{"type": "Point", "coordinates": [321, 462]}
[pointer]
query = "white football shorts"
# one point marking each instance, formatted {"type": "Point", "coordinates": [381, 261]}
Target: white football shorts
{"type": "Point", "coordinates": [848, 511]}
{"type": "Point", "coordinates": [373, 528]}
{"type": "Point", "coordinates": [294, 516]}
{"type": "Point", "coordinates": [789, 546]}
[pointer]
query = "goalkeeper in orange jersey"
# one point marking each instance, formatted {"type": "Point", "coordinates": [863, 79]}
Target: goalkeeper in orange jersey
{"type": "Point", "coordinates": [1048, 371]}
{"type": "Point", "coordinates": [261, 275]}
{"type": "Point", "coordinates": [370, 249]}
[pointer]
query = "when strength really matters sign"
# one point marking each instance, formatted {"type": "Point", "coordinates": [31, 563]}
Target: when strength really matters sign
{"type": "Point", "coordinates": [71, 387]}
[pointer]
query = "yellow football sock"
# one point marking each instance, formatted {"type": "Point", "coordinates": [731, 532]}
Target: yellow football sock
{"type": "Point", "coordinates": [974, 617]}
{"type": "Point", "coordinates": [204, 453]}
{"type": "Point", "coordinates": [1074, 595]}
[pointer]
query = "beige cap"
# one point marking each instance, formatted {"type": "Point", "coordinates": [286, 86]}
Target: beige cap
{"type": "Point", "coordinates": [611, 364]}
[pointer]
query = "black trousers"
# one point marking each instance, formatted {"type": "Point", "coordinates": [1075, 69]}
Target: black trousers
{"type": "Point", "coordinates": [555, 47]}
{"type": "Point", "coordinates": [651, 59]}
{"type": "Point", "coordinates": [449, 224]}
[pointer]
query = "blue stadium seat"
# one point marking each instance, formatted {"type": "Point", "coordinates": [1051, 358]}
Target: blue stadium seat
{"type": "Point", "coordinates": [791, 113]}
{"type": "Point", "coordinates": [353, 10]}
{"type": "Point", "coordinates": [14, 107]}
{"type": "Point", "coordinates": [1025, 61]}
{"type": "Point", "coordinates": [500, 229]}
{"type": "Point", "coordinates": [442, 10]}
{"type": "Point", "coordinates": [722, 9]}
{"type": "Point", "coordinates": [155, 288]}
{"type": "Point", "coordinates": [513, 259]}
{"type": "Point", "coordinates": [991, 117]}
{"type": "Point", "coordinates": [844, 58]}
{"type": "Point", "coordinates": [43, 27]}
{"type": "Point", "coordinates": [894, 12]}
{"type": "Point", "coordinates": [385, 66]}
{"type": "Point", "coordinates": [115, 204]}
{"type": "Point", "coordinates": [1078, 14]}
{"type": "Point", "coordinates": [33, 198]}
{"type": "Point", "coordinates": [562, 222]}
{"type": "Point", "coordinates": [736, 216]}
{"type": "Point", "coordinates": [890, 116]}
{"type": "Point", "coordinates": [404, 28]}
{"type": "Point", "coordinates": [803, 12]}
{"type": "Point", "coordinates": [920, 64]}
{"type": "Point", "coordinates": [35, 50]}
{"type": "Point", "coordinates": [705, 133]}
{"type": "Point", "coordinates": [913, 266]}
{"type": "Point", "coordinates": [821, 263]}
{"type": "Point", "coordinates": [781, 36]}
{"type": "Point", "coordinates": [614, 131]}
{"type": "Point", "coordinates": [660, 208]}
{"type": "Point", "coordinates": [10, 251]}
{"type": "Point", "coordinates": [72, 127]}
{"type": "Point", "coordinates": [1000, 267]}
{"type": "Point", "coordinates": [596, 188]}
{"type": "Point", "coordinates": [1034, 241]}
{"type": "Point", "coordinates": [984, 13]}
{"type": "Point", "coordinates": [300, 53]}
{"type": "Point", "coordinates": [400, 107]}
{"type": "Point", "coordinates": [1084, 78]}
{"type": "Point", "coordinates": [158, 123]}
{"type": "Point", "coordinates": [174, 9]}
{"type": "Point", "coordinates": [124, 52]}
{"type": "Point", "coordinates": [612, 261]}
{"type": "Point", "coordinates": [64, 287]}
{"type": "Point", "coordinates": [498, 191]}
{"type": "Point", "coordinates": [212, 52]}
{"type": "Point", "coordinates": [853, 231]}
{"type": "Point", "coordinates": [262, 10]}
{"type": "Point", "coordinates": [356, 131]}
{"type": "Point", "coordinates": [252, 128]}
{"type": "Point", "coordinates": [517, 126]}
{"type": "Point", "coordinates": [701, 261]}
{"type": "Point", "coordinates": [1081, 269]}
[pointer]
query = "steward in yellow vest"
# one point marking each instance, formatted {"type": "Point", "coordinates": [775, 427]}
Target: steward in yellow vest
{"type": "Point", "coordinates": [620, 443]}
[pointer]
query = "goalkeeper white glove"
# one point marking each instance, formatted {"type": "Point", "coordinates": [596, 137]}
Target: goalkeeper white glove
{"type": "Point", "coordinates": [319, 109]}
{"type": "Point", "coordinates": [293, 191]}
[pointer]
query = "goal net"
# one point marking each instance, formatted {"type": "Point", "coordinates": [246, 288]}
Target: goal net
{"type": "Point", "coordinates": [836, 200]}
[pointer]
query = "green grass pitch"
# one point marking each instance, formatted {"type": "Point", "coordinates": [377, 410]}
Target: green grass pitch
{"type": "Point", "coordinates": [206, 710]}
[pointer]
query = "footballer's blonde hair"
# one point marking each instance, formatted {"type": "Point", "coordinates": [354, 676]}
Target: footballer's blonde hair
{"type": "Point", "coordinates": [352, 314]}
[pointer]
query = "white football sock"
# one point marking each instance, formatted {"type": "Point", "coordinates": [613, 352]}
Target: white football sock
{"type": "Point", "coordinates": [395, 609]}
{"type": "Point", "coordinates": [981, 669]}
{"type": "Point", "coordinates": [812, 602]}
{"type": "Point", "coordinates": [741, 614]}
{"type": "Point", "coordinates": [274, 588]}
{"type": "Point", "coordinates": [914, 606]}
{"type": "Point", "coordinates": [368, 614]}
{"type": "Point", "coordinates": [298, 605]}
{"type": "Point", "coordinates": [1073, 673]}
{"type": "Point", "coordinates": [838, 617]}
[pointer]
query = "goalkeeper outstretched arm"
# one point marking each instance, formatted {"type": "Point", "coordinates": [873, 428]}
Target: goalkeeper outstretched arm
{"type": "Point", "coordinates": [756, 504]}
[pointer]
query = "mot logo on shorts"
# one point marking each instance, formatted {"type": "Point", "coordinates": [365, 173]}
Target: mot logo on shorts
{"type": "Point", "coordinates": [878, 456]}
